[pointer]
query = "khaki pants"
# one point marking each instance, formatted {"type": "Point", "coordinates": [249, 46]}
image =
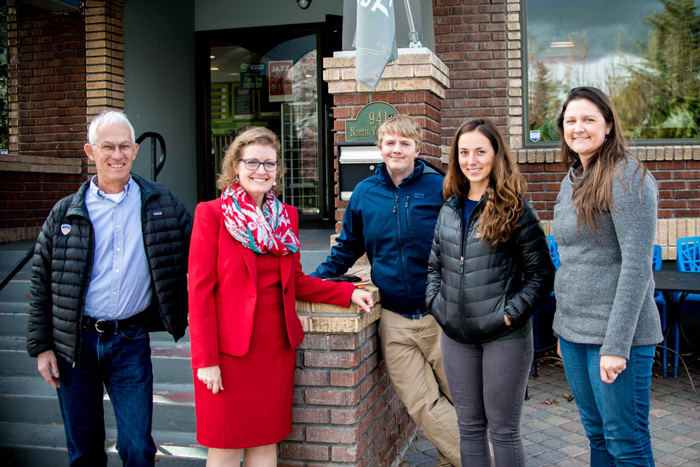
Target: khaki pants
{"type": "Point", "coordinates": [411, 350]}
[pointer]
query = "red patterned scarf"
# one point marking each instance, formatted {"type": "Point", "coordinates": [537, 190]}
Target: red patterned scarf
{"type": "Point", "coordinates": [266, 230]}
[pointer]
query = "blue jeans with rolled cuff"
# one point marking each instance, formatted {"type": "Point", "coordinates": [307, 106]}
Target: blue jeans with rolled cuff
{"type": "Point", "coordinates": [121, 363]}
{"type": "Point", "coordinates": [615, 415]}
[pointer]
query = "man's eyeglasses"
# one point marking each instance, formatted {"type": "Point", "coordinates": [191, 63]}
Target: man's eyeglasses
{"type": "Point", "coordinates": [108, 149]}
{"type": "Point", "coordinates": [253, 164]}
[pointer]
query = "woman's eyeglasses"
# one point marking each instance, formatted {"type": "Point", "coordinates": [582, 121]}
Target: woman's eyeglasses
{"type": "Point", "coordinates": [253, 164]}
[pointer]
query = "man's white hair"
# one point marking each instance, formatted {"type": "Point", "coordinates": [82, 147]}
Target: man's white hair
{"type": "Point", "coordinates": [109, 118]}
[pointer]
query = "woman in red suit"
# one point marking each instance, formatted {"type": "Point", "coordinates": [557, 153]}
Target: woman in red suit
{"type": "Point", "coordinates": [244, 278]}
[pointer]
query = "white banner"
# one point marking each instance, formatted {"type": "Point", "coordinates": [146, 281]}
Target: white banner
{"type": "Point", "coordinates": [375, 40]}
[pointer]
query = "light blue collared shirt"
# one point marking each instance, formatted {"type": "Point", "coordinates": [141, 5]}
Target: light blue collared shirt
{"type": "Point", "coordinates": [120, 283]}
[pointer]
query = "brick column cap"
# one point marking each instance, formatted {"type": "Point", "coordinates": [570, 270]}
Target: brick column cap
{"type": "Point", "coordinates": [324, 318]}
{"type": "Point", "coordinates": [416, 69]}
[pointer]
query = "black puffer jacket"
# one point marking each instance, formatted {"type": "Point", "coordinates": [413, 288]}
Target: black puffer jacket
{"type": "Point", "coordinates": [471, 285]}
{"type": "Point", "coordinates": [62, 265]}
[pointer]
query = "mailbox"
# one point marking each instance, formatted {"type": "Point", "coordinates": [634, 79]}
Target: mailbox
{"type": "Point", "coordinates": [357, 160]}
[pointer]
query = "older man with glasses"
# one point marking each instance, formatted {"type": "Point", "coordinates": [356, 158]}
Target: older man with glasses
{"type": "Point", "coordinates": [110, 264]}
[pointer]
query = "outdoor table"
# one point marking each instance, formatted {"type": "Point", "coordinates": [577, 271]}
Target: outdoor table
{"type": "Point", "coordinates": [669, 281]}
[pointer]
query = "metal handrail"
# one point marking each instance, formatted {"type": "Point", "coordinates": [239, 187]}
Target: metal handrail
{"type": "Point", "coordinates": [20, 264]}
{"type": "Point", "coordinates": [155, 138]}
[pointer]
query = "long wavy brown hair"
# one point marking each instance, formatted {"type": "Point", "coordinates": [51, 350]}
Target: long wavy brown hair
{"type": "Point", "coordinates": [503, 205]}
{"type": "Point", "coordinates": [592, 192]}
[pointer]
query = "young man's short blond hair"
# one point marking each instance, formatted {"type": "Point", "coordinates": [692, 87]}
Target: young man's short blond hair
{"type": "Point", "coordinates": [402, 125]}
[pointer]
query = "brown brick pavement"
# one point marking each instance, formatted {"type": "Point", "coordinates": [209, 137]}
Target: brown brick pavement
{"type": "Point", "coordinates": [553, 434]}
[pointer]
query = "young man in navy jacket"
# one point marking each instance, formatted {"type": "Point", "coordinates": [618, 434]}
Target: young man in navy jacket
{"type": "Point", "coordinates": [391, 217]}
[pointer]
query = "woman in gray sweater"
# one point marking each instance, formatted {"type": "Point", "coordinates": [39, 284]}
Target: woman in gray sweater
{"type": "Point", "coordinates": [606, 319]}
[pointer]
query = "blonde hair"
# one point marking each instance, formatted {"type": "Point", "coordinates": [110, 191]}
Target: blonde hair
{"type": "Point", "coordinates": [234, 154]}
{"type": "Point", "coordinates": [403, 125]}
{"type": "Point", "coordinates": [503, 205]}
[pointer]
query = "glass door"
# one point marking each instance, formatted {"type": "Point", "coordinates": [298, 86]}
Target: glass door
{"type": "Point", "coordinates": [260, 78]}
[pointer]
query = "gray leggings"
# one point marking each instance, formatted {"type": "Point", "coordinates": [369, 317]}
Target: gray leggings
{"type": "Point", "coordinates": [487, 383]}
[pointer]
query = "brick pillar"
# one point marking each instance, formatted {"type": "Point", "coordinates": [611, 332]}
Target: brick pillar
{"type": "Point", "coordinates": [104, 43]}
{"type": "Point", "coordinates": [345, 410]}
{"type": "Point", "coordinates": [415, 84]}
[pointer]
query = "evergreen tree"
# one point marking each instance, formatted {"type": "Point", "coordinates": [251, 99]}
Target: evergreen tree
{"type": "Point", "coordinates": [662, 98]}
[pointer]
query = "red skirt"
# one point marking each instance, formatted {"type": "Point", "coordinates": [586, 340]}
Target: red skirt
{"type": "Point", "coordinates": [255, 407]}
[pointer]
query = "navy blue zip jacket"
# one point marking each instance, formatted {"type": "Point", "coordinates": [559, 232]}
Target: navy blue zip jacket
{"type": "Point", "coordinates": [394, 226]}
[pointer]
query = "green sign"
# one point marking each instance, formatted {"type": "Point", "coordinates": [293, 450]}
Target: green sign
{"type": "Point", "coordinates": [366, 125]}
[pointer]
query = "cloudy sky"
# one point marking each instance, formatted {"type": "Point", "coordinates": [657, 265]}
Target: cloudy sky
{"type": "Point", "coordinates": [599, 21]}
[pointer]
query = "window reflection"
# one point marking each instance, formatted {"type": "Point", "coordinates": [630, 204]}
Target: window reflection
{"type": "Point", "coordinates": [274, 84]}
{"type": "Point", "coordinates": [645, 54]}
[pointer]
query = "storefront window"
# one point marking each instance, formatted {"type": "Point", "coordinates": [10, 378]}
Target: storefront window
{"type": "Point", "coordinates": [274, 85]}
{"type": "Point", "coordinates": [644, 54]}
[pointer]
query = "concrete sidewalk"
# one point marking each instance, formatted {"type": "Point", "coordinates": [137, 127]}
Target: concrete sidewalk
{"type": "Point", "coordinates": [551, 428]}
{"type": "Point", "coordinates": [553, 434]}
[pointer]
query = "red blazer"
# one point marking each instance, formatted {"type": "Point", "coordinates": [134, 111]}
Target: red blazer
{"type": "Point", "coordinates": [223, 288]}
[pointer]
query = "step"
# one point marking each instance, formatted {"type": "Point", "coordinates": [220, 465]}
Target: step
{"type": "Point", "coordinates": [26, 444]}
{"type": "Point", "coordinates": [31, 400]}
{"type": "Point", "coordinates": [12, 252]}
{"type": "Point", "coordinates": [163, 336]}
{"type": "Point", "coordinates": [14, 307]}
{"type": "Point", "coordinates": [17, 362]}
{"type": "Point", "coordinates": [17, 290]}
{"type": "Point", "coordinates": [17, 341]}
{"type": "Point", "coordinates": [13, 321]}
{"type": "Point", "coordinates": [14, 315]}
{"type": "Point", "coordinates": [14, 325]}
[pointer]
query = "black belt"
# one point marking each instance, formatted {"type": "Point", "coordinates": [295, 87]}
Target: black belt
{"type": "Point", "coordinates": [111, 327]}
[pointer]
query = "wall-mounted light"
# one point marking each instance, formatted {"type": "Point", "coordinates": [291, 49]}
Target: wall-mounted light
{"type": "Point", "coordinates": [303, 4]}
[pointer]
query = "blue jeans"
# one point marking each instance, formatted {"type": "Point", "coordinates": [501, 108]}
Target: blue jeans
{"type": "Point", "coordinates": [615, 416]}
{"type": "Point", "coordinates": [121, 362]}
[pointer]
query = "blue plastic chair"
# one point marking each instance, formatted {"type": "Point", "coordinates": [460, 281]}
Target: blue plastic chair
{"type": "Point", "coordinates": [553, 251]}
{"type": "Point", "coordinates": [657, 260]}
{"type": "Point", "coordinates": [657, 263]}
{"type": "Point", "coordinates": [687, 260]}
{"type": "Point", "coordinates": [688, 254]}
{"type": "Point", "coordinates": [549, 304]}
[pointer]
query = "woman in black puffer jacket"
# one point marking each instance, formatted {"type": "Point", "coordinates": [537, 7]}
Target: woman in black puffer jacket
{"type": "Point", "coordinates": [488, 271]}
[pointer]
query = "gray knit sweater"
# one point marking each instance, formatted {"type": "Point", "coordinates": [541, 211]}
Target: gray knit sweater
{"type": "Point", "coordinates": [605, 287]}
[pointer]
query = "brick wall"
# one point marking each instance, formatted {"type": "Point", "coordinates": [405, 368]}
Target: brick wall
{"type": "Point", "coordinates": [345, 411]}
{"type": "Point", "coordinates": [47, 82]}
{"type": "Point", "coordinates": [63, 68]}
{"type": "Point", "coordinates": [422, 105]}
{"type": "Point", "coordinates": [26, 199]}
{"type": "Point", "coordinates": [414, 84]}
{"type": "Point", "coordinates": [47, 116]}
{"type": "Point", "coordinates": [470, 38]}
{"type": "Point", "coordinates": [481, 43]}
